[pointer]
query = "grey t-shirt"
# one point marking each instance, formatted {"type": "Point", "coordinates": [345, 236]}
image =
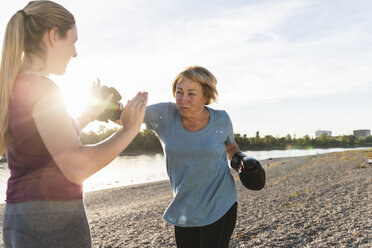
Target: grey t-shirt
{"type": "Point", "coordinates": [197, 166]}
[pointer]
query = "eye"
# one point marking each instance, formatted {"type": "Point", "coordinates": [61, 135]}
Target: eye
{"type": "Point", "coordinates": [179, 92]}
{"type": "Point", "coordinates": [191, 94]}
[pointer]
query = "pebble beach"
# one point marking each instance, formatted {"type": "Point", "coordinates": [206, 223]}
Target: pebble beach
{"type": "Point", "coordinates": [313, 201]}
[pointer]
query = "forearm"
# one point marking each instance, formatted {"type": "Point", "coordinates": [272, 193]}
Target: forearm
{"type": "Point", "coordinates": [84, 161]}
{"type": "Point", "coordinates": [84, 120]}
{"type": "Point", "coordinates": [231, 150]}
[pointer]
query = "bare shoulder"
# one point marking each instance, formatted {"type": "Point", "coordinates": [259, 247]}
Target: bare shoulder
{"type": "Point", "coordinates": [35, 85]}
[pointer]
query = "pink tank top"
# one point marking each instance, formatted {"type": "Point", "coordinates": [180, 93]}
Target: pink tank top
{"type": "Point", "coordinates": [34, 175]}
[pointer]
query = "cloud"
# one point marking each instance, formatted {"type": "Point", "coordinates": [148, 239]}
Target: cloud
{"type": "Point", "coordinates": [262, 49]}
{"type": "Point", "coordinates": [271, 50]}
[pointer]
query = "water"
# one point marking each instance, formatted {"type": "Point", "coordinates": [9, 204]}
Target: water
{"type": "Point", "coordinates": [260, 155]}
{"type": "Point", "coordinates": [127, 170]}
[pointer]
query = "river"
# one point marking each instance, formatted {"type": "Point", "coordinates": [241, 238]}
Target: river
{"type": "Point", "coordinates": [127, 170]}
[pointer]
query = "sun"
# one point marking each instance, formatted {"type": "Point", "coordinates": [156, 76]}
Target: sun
{"type": "Point", "coordinates": [76, 96]}
{"type": "Point", "coordinates": [76, 99]}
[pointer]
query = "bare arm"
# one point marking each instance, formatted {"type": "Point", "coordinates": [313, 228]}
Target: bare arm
{"type": "Point", "coordinates": [78, 162]}
{"type": "Point", "coordinates": [84, 120]}
{"type": "Point", "coordinates": [231, 150]}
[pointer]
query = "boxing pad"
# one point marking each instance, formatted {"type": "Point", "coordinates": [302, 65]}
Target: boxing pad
{"type": "Point", "coordinates": [251, 174]}
{"type": "Point", "coordinates": [114, 108]}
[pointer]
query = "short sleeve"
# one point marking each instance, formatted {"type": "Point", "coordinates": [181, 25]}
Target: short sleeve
{"type": "Point", "coordinates": [151, 121]}
{"type": "Point", "coordinates": [157, 117]}
{"type": "Point", "coordinates": [229, 131]}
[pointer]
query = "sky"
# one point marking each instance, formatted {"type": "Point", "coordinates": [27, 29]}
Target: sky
{"type": "Point", "coordinates": [282, 66]}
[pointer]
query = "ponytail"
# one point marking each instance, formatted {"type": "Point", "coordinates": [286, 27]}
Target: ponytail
{"type": "Point", "coordinates": [13, 48]}
{"type": "Point", "coordinates": [29, 24]}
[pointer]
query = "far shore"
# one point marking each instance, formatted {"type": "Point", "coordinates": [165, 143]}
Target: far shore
{"type": "Point", "coordinates": [142, 152]}
{"type": "Point", "coordinates": [139, 152]}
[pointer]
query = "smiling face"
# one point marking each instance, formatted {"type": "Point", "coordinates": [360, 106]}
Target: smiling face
{"type": "Point", "coordinates": [190, 99]}
{"type": "Point", "coordinates": [62, 51]}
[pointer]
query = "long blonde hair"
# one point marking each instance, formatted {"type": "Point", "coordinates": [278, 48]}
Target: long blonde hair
{"type": "Point", "coordinates": [23, 36]}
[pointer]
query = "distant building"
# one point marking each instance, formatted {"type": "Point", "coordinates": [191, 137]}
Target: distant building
{"type": "Point", "coordinates": [318, 133]}
{"type": "Point", "coordinates": [361, 133]}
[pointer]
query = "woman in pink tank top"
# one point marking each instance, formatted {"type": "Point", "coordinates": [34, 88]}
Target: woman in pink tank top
{"type": "Point", "coordinates": [47, 162]}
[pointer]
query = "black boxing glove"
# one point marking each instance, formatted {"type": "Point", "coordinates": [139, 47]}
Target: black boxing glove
{"type": "Point", "coordinates": [251, 174]}
{"type": "Point", "coordinates": [114, 108]}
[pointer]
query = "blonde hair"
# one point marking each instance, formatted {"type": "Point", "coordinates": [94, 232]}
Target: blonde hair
{"type": "Point", "coordinates": [204, 77]}
{"type": "Point", "coordinates": [23, 36]}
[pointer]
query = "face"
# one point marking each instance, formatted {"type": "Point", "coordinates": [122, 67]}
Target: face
{"type": "Point", "coordinates": [189, 98]}
{"type": "Point", "coordinates": [62, 51]}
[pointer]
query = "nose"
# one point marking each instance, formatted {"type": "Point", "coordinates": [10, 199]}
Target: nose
{"type": "Point", "coordinates": [183, 98]}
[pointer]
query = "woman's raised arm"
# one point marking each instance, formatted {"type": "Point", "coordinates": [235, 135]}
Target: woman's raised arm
{"type": "Point", "coordinates": [78, 162]}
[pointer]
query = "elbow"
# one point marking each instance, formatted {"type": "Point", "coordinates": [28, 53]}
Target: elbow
{"type": "Point", "coordinates": [74, 179]}
{"type": "Point", "coordinates": [74, 168]}
{"type": "Point", "coordinates": [73, 173]}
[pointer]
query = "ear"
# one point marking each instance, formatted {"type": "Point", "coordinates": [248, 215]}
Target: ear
{"type": "Point", "coordinates": [206, 100]}
{"type": "Point", "coordinates": [51, 37]}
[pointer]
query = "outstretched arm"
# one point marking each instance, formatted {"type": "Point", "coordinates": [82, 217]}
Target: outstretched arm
{"type": "Point", "coordinates": [78, 162]}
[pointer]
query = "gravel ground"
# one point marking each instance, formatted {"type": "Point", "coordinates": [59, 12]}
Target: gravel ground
{"type": "Point", "coordinates": [314, 201]}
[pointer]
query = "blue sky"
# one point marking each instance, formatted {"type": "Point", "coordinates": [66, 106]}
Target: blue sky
{"type": "Point", "coordinates": [283, 67]}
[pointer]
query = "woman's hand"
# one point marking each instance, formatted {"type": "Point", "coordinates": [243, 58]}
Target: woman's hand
{"type": "Point", "coordinates": [134, 112]}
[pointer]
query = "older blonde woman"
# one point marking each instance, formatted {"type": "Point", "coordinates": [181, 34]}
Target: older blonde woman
{"type": "Point", "coordinates": [198, 141]}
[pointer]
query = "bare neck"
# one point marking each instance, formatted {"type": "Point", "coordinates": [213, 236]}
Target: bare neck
{"type": "Point", "coordinates": [34, 65]}
{"type": "Point", "coordinates": [197, 121]}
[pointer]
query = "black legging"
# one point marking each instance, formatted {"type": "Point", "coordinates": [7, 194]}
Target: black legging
{"type": "Point", "coordinates": [215, 235]}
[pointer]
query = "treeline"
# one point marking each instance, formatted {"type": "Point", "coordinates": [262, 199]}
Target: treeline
{"type": "Point", "coordinates": [147, 141]}
{"type": "Point", "coordinates": [288, 142]}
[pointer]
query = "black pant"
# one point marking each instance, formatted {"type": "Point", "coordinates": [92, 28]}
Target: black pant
{"type": "Point", "coordinates": [215, 235]}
